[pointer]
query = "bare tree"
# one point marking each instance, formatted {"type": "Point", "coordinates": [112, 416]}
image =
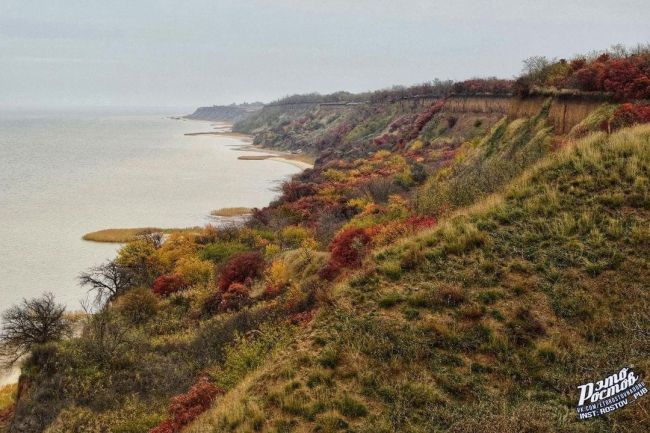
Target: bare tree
{"type": "Point", "coordinates": [33, 322]}
{"type": "Point", "coordinates": [107, 281]}
{"type": "Point", "coordinates": [104, 335]}
{"type": "Point", "coordinates": [536, 68]}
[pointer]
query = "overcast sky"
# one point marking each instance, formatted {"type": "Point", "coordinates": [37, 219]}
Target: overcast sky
{"type": "Point", "coordinates": [73, 53]}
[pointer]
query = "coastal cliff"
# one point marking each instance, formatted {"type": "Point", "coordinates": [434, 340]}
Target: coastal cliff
{"type": "Point", "coordinates": [460, 257]}
{"type": "Point", "coordinates": [224, 113]}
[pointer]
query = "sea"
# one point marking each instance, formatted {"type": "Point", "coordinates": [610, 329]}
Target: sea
{"type": "Point", "coordinates": [66, 173]}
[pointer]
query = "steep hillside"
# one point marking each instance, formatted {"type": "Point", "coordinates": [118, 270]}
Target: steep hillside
{"type": "Point", "coordinates": [460, 258]}
{"type": "Point", "coordinates": [485, 323]}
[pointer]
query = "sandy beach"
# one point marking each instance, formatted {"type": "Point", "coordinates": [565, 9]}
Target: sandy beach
{"type": "Point", "coordinates": [223, 129]}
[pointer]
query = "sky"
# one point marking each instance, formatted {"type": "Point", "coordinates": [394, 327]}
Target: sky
{"type": "Point", "coordinates": [162, 53]}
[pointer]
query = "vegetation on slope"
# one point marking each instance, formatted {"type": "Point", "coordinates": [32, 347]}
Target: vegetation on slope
{"type": "Point", "coordinates": [485, 323]}
{"type": "Point", "coordinates": [435, 270]}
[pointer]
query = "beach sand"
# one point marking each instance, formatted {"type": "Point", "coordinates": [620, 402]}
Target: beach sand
{"type": "Point", "coordinates": [299, 160]}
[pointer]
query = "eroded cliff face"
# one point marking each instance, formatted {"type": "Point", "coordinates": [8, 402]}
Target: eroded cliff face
{"type": "Point", "coordinates": [323, 127]}
{"type": "Point", "coordinates": [565, 112]}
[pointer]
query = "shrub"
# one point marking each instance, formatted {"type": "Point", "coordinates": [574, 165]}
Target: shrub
{"type": "Point", "coordinates": [141, 259]}
{"type": "Point", "coordinates": [240, 268]}
{"type": "Point", "coordinates": [138, 305]}
{"type": "Point", "coordinates": [235, 297]}
{"type": "Point", "coordinates": [627, 115]}
{"type": "Point", "coordinates": [167, 284]}
{"type": "Point", "coordinates": [292, 191]}
{"type": "Point", "coordinates": [184, 408]}
{"type": "Point", "coordinates": [221, 251]}
{"type": "Point", "coordinates": [349, 247]}
{"type": "Point", "coordinates": [379, 188]}
{"type": "Point", "coordinates": [194, 270]}
{"type": "Point", "coordinates": [277, 277]}
{"type": "Point", "coordinates": [293, 236]}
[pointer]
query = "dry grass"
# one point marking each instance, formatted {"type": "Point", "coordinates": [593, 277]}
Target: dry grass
{"type": "Point", "coordinates": [231, 211]}
{"type": "Point", "coordinates": [129, 234]}
{"type": "Point", "coordinates": [7, 395]}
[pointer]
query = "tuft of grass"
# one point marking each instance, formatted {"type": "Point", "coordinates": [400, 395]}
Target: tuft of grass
{"type": "Point", "coordinates": [351, 408]}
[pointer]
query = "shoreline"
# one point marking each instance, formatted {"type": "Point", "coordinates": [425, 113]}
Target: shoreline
{"type": "Point", "coordinates": [10, 376]}
{"type": "Point", "coordinates": [300, 160]}
{"type": "Point", "coordinates": [123, 235]}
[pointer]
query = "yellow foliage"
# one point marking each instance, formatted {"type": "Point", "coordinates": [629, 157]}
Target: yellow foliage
{"type": "Point", "coordinates": [309, 244]}
{"type": "Point", "coordinates": [194, 270]}
{"type": "Point", "coordinates": [292, 236]}
{"type": "Point", "coordinates": [359, 203]}
{"type": "Point", "coordinates": [335, 175]}
{"type": "Point", "coordinates": [398, 160]}
{"type": "Point", "coordinates": [277, 275]}
{"type": "Point", "coordinates": [381, 154]}
{"type": "Point", "coordinates": [177, 245]}
{"type": "Point", "coordinates": [417, 145]}
{"type": "Point", "coordinates": [271, 250]}
{"type": "Point", "coordinates": [135, 253]}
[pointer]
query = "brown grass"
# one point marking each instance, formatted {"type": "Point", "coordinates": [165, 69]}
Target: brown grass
{"type": "Point", "coordinates": [129, 234]}
{"type": "Point", "coordinates": [231, 211]}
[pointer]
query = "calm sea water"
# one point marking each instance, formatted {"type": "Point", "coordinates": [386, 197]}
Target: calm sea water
{"type": "Point", "coordinates": [66, 174]}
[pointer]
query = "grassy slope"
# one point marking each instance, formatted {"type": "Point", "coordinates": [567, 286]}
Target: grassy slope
{"type": "Point", "coordinates": [488, 322]}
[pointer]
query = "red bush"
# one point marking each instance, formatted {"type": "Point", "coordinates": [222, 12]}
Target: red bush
{"type": "Point", "coordinates": [235, 297]}
{"type": "Point", "coordinates": [628, 115]}
{"type": "Point", "coordinates": [420, 222]}
{"type": "Point", "coordinates": [184, 408]}
{"type": "Point", "coordinates": [167, 284]}
{"type": "Point", "coordinates": [348, 249]}
{"type": "Point", "coordinates": [329, 272]}
{"type": "Point", "coordinates": [626, 78]}
{"type": "Point", "coordinates": [241, 267]}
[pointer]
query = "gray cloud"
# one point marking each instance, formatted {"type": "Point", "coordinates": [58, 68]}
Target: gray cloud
{"type": "Point", "coordinates": [163, 52]}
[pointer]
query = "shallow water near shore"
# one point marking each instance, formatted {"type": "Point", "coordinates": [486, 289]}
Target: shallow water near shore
{"type": "Point", "coordinates": [66, 174]}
